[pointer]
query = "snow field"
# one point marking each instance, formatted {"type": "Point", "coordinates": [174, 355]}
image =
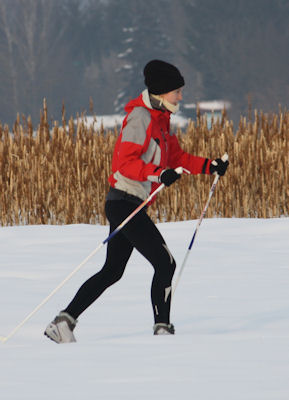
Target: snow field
{"type": "Point", "coordinates": [230, 311]}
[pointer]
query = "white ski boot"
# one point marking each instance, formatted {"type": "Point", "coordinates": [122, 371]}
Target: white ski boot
{"type": "Point", "coordinates": [164, 329]}
{"type": "Point", "coordinates": [60, 330]}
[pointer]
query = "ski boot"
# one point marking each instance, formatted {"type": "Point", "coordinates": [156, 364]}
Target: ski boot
{"type": "Point", "coordinates": [164, 329]}
{"type": "Point", "coordinates": [60, 330]}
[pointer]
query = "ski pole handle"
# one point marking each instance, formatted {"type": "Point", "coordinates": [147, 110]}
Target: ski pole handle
{"type": "Point", "coordinates": [182, 170]}
{"type": "Point", "coordinates": [224, 158]}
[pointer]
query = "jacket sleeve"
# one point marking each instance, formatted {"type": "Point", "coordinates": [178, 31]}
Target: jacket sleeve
{"type": "Point", "coordinates": [134, 141]}
{"type": "Point", "coordinates": [180, 158]}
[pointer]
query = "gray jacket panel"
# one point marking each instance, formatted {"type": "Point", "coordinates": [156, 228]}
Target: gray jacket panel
{"type": "Point", "coordinates": [136, 127]}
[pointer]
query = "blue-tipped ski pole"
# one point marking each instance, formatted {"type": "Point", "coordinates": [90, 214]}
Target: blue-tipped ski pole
{"type": "Point", "coordinates": [213, 187]}
{"type": "Point", "coordinates": [4, 339]}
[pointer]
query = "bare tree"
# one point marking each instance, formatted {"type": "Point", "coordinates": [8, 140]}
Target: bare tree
{"type": "Point", "coordinates": [35, 41]}
{"type": "Point", "coordinates": [8, 68]}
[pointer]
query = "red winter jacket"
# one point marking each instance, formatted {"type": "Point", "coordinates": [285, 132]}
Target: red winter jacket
{"type": "Point", "coordinates": [145, 147]}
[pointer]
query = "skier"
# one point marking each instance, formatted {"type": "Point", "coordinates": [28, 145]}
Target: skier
{"type": "Point", "coordinates": [145, 156]}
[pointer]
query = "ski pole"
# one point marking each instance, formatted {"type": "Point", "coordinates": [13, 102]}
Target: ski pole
{"type": "Point", "coordinates": [4, 339]}
{"type": "Point", "coordinates": [213, 187]}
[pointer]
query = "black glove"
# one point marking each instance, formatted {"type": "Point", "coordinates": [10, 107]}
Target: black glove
{"type": "Point", "coordinates": [169, 176]}
{"type": "Point", "coordinates": [219, 166]}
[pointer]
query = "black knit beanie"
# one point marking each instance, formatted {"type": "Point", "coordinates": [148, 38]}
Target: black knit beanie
{"type": "Point", "coordinates": [162, 77]}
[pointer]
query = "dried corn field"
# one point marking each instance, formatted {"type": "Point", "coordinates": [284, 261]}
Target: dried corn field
{"type": "Point", "coordinates": [58, 174]}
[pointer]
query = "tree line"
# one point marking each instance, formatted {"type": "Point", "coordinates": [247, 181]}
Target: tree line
{"type": "Point", "coordinates": [71, 51]}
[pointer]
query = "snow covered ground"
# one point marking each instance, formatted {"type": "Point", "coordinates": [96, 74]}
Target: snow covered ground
{"type": "Point", "coordinates": [178, 120]}
{"type": "Point", "coordinates": [230, 310]}
{"type": "Point", "coordinates": [110, 121]}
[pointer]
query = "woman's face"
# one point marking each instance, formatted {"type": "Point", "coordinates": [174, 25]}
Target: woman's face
{"type": "Point", "coordinates": [174, 97]}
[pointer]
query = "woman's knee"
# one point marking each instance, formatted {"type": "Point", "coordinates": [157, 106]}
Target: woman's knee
{"type": "Point", "coordinates": [110, 275]}
{"type": "Point", "coordinates": [165, 270]}
{"type": "Point", "coordinates": [170, 261]}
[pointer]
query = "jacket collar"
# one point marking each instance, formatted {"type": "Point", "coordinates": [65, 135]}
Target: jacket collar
{"type": "Point", "coordinates": [143, 100]}
{"type": "Point", "coordinates": [148, 102]}
{"type": "Point", "coordinates": [146, 99]}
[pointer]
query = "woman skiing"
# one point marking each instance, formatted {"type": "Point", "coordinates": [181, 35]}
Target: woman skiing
{"type": "Point", "coordinates": [145, 155]}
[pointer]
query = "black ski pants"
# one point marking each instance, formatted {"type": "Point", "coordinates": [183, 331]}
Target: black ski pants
{"type": "Point", "coordinates": [140, 233]}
